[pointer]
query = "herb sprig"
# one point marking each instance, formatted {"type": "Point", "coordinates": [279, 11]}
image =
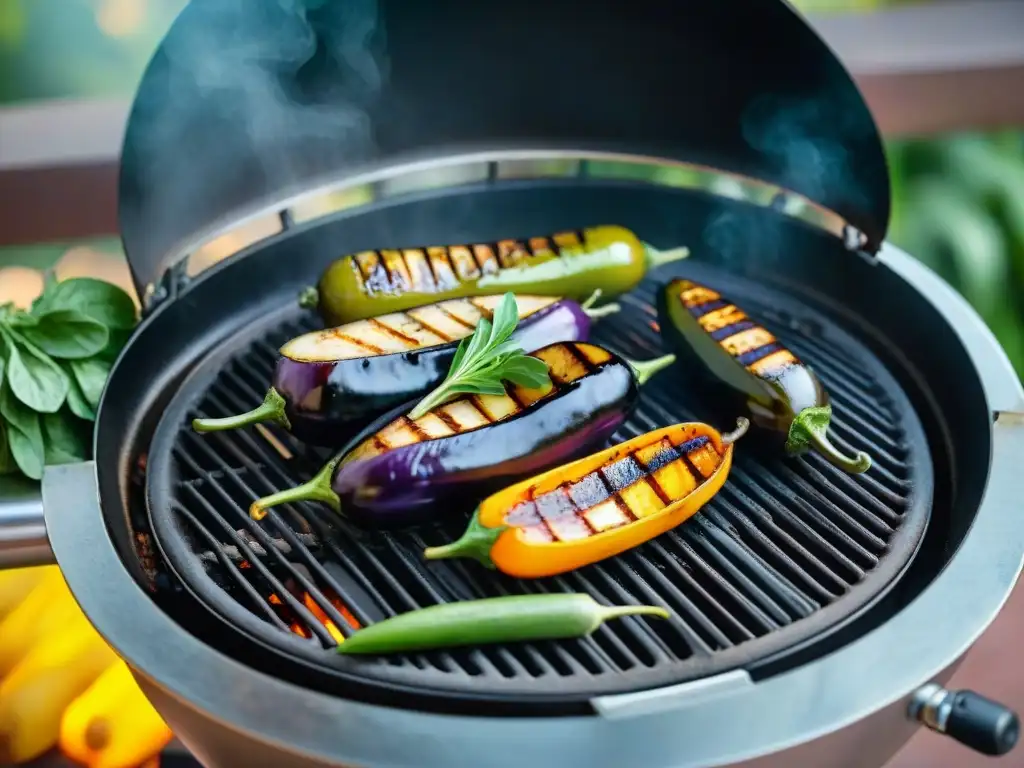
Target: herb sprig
{"type": "Point", "coordinates": [485, 359]}
{"type": "Point", "coordinates": [54, 361]}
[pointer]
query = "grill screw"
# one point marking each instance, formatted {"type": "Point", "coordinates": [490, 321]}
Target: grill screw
{"type": "Point", "coordinates": [981, 724]}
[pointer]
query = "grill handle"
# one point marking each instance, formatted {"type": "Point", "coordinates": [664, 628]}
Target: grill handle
{"type": "Point", "coordinates": [23, 539]}
{"type": "Point", "coordinates": [981, 724]}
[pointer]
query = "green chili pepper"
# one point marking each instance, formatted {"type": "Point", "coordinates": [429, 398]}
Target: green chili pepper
{"type": "Point", "coordinates": [746, 361]}
{"type": "Point", "coordinates": [567, 264]}
{"type": "Point", "coordinates": [492, 620]}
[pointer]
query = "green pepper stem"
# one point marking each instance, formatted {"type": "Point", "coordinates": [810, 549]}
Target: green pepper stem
{"type": "Point", "coordinates": [592, 299]}
{"type": "Point", "coordinates": [317, 489]}
{"type": "Point", "coordinates": [656, 258]}
{"type": "Point", "coordinates": [616, 611]}
{"type": "Point", "coordinates": [309, 298]}
{"type": "Point", "coordinates": [475, 543]}
{"type": "Point", "coordinates": [272, 409]}
{"type": "Point", "coordinates": [742, 425]}
{"type": "Point", "coordinates": [644, 369]}
{"type": "Point", "coordinates": [597, 312]}
{"type": "Point", "coordinates": [809, 431]}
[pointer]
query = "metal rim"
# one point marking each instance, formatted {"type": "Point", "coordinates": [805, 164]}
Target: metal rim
{"type": "Point", "coordinates": [746, 720]}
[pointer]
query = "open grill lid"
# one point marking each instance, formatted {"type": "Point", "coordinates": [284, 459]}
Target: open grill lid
{"type": "Point", "coordinates": [245, 105]}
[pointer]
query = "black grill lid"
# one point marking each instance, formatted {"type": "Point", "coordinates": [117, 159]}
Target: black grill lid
{"type": "Point", "coordinates": [246, 104]}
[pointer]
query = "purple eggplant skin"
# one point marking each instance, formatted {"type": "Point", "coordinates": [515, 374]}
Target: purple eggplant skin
{"type": "Point", "coordinates": [325, 401]}
{"type": "Point", "coordinates": [412, 483]}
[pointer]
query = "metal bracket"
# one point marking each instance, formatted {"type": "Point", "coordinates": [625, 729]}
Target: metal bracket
{"type": "Point", "coordinates": [171, 284]}
{"type": "Point", "coordinates": [628, 705]}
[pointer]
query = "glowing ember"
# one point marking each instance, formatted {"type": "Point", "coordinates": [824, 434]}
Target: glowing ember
{"type": "Point", "coordinates": [323, 618]}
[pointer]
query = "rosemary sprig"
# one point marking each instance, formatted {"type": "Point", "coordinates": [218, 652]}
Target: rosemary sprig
{"type": "Point", "coordinates": [485, 359]}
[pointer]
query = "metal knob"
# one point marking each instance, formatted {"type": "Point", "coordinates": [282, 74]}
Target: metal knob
{"type": "Point", "coordinates": [983, 725]}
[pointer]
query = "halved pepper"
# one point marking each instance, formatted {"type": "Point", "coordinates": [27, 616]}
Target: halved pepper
{"type": "Point", "coordinates": [750, 367]}
{"type": "Point", "coordinates": [598, 506]}
{"type": "Point", "coordinates": [570, 264]}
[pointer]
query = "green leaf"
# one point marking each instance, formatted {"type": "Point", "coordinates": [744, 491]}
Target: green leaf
{"type": "Point", "coordinates": [7, 465]}
{"type": "Point", "coordinates": [506, 316]}
{"type": "Point", "coordinates": [24, 437]}
{"type": "Point", "coordinates": [68, 334]}
{"type": "Point", "coordinates": [102, 301]}
{"type": "Point", "coordinates": [40, 305]}
{"type": "Point", "coordinates": [118, 338]}
{"type": "Point", "coordinates": [478, 387]}
{"type": "Point", "coordinates": [480, 366]}
{"type": "Point", "coordinates": [529, 372]}
{"type": "Point", "coordinates": [33, 377]}
{"type": "Point", "coordinates": [76, 399]}
{"type": "Point", "coordinates": [460, 354]}
{"type": "Point", "coordinates": [91, 375]}
{"type": "Point", "coordinates": [20, 319]}
{"type": "Point", "coordinates": [63, 443]}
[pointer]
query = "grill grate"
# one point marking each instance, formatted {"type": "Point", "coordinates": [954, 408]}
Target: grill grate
{"type": "Point", "coordinates": [745, 579]}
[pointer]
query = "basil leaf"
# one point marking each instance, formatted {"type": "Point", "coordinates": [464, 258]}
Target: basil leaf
{"type": "Point", "coordinates": [76, 400]}
{"type": "Point", "coordinates": [526, 372]}
{"type": "Point", "coordinates": [91, 375]}
{"type": "Point", "coordinates": [478, 387]}
{"type": "Point", "coordinates": [506, 317]}
{"type": "Point", "coordinates": [7, 465]}
{"type": "Point", "coordinates": [68, 334]}
{"type": "Point", "coordinates": [20, 319]}
{"type": "Point", "coordinates": [62, 442]}
{"type": "Point", "coordinates": [117, 339]}
{"type": "Point", "coordinates": [33, 377]}
{"type": "Point", "coordinates": [39, 306]}
{"type": "Point", "coordinates": [102, 301]}
{"type": "Point", "coordinates": [24, 437]}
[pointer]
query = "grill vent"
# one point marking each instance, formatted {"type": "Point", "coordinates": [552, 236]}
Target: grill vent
{"type": "Point", "coordinates": [744, 579]}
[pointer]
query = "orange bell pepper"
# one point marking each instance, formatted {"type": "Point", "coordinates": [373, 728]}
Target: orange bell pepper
{"type": "Point", "coordinates": [112, 724]}
{"type": "Point", "coordinates": [598, 506]}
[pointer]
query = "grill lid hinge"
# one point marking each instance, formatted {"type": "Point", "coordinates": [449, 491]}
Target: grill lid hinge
{"type": "Point", "coordinates": [171, 284]}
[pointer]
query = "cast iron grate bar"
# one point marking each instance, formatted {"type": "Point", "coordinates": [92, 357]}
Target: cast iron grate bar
{"type": "Point", "coordinates": [779, 542]}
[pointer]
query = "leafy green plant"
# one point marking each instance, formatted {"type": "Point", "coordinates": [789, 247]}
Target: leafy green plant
{"type": "Point", "coordinates": [958, 205]}
{"type": "Point", "coordinates": [54, 361]}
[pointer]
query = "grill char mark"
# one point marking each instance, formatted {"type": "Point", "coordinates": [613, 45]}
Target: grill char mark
{"type": "Point", "coordinates": [394, 332]}
{"type": "Point", "coordinates": [371, 348]}
{"type": "Point", "coordinates": [456, 318]}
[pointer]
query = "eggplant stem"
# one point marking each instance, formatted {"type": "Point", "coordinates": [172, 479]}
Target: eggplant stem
{"type": "Point", "coordinates": [656, 258]}
{"type": "Point", "coordinates": [272, 409]}
{"type": "Point", "coordinates": [309, 298]}
{"type": "Point", "coordinates": [645, 369]}
{"type": "Point", "coordinates": [317, 489]}
{"type": "Point", "coordinates": [742, 425]}
{"type": "Point", "coordinates": [616, 611]}
{"type": "Point", "coordinates": [808, 431]}
{"type": "Point", "coordinates": [475, 543]}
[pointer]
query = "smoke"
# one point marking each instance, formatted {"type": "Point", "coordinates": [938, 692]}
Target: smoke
{"type": "Point", "coordinates": [806, 138]}
{"type": "Point", "coordinates": [252, 100]}
{"type": "Point", "coordinates": [809, 143]}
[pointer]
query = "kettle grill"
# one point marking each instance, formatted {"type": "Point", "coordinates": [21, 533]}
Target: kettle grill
{"type": "Point", "coordinates": [815, 616]}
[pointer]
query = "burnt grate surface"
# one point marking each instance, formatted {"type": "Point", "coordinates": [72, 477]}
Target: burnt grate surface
{"type": "Point", "coordinates": [788, 550]}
